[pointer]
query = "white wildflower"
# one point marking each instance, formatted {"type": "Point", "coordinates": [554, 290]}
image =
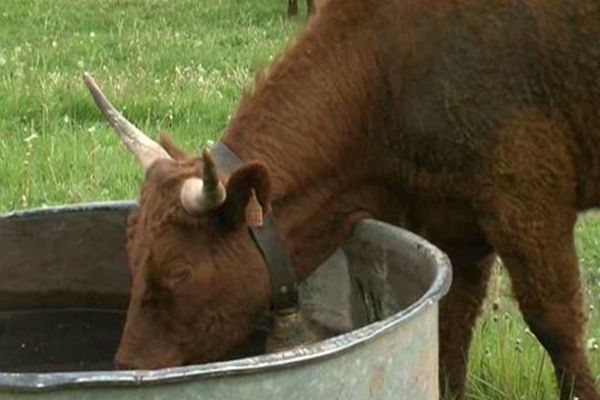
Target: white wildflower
{"type": "Point", "coordinates": [30, 138]}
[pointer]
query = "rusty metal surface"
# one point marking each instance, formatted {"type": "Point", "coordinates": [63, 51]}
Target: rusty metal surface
{"type": "Point", "coordinates": [381, 288]}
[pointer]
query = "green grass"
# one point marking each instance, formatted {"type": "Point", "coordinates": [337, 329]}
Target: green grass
{"type": "Point", "coordinates": [170, 66]}
{"type": "Point", "coordinates": [180, 67]}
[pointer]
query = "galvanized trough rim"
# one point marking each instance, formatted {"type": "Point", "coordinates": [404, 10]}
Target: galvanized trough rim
{"type": "Point", "coordinates": [34, 382]}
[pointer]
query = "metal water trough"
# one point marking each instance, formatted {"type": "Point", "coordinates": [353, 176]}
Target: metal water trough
{"type": "Point", "coordinates": [64, 286]}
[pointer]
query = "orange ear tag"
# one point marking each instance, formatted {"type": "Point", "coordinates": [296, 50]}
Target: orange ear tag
{"type": "Point", "coordinates": [254, 212]}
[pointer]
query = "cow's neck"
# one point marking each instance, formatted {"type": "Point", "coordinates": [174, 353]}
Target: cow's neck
{"type": "Point", "coordinates": [308, 121]}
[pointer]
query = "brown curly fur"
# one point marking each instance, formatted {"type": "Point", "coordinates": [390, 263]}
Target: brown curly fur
{"type": "Point", "coordinates": [472, 123]}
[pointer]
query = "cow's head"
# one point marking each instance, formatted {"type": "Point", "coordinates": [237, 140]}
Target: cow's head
{"type": "Point", "coordinates": [199, 282]}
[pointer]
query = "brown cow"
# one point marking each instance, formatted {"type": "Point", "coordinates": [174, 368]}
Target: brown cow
{"type": "Point", "coordinates": [293, 7]}
{"type": "Point", "coordinates": [472, 123]}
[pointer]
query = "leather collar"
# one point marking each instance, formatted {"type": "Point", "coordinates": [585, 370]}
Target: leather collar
{"type": "Point", "coordinates": [284, 285]}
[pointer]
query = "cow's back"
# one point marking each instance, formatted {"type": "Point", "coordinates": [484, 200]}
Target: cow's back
{"type": "Point", "coordinates": [457, 71]}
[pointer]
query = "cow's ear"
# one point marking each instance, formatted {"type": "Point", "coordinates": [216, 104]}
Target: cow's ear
{"type": "Point", "coordinates": [167, 144]}
{"type": "Point", "coordinates": [248, 196]}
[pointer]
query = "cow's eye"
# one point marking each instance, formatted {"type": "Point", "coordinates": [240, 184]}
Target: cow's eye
{"type": "Point", "coordinates": [177, 275]}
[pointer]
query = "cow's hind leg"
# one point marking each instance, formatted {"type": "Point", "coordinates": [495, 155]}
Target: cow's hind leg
{"type": "Point", "coordinates": [292, 8]}
{"type": "Point", "coordinates": [310, 7]}
{"type": "Point", "coordinates": [458, 313]}
{"type": "Point", "coordinates": [528, 213]}
{"type": "Point", "coordinates": [546, 282]}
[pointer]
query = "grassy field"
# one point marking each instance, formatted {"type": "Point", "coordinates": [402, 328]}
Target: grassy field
{"type": "Point", "coordinates": [180, 67]}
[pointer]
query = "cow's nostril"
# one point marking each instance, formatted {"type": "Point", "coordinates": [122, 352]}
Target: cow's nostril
{"type": "Point", "coordinates": [121, 365]}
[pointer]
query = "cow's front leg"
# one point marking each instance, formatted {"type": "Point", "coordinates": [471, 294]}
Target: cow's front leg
{"type": "Point", "coordinates": [458, 313]}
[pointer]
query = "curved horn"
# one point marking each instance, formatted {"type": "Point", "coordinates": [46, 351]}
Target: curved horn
{"type": "Point", "coordinates": [201, 195]}
{"type": "Point", "coordinates": [146, 150]}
